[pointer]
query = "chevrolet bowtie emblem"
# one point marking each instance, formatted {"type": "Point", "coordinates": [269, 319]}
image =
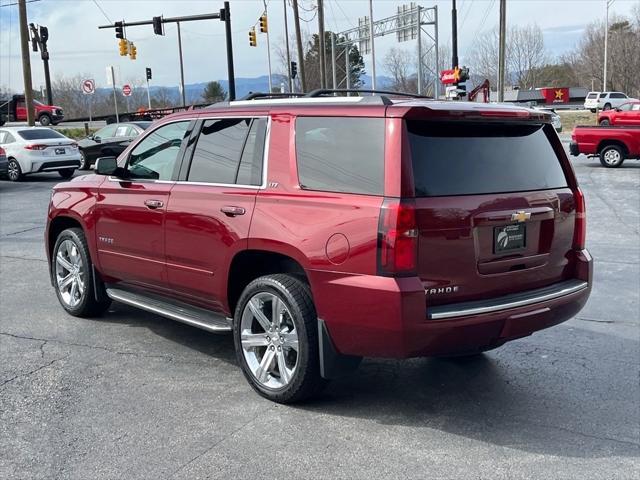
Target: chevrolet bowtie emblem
{"type": "Point", "coordinates": [520, 216]}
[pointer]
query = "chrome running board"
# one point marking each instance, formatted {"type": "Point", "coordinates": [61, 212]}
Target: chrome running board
{"type": "Point", "coordinates": [181, 312]}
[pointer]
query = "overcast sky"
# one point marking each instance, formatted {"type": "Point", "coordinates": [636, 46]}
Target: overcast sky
{"type": "Point", "coordinates": [77, 47]}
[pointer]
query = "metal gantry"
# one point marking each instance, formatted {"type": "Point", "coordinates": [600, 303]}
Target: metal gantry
{"type": "Point", "coordinates": [412, 22]}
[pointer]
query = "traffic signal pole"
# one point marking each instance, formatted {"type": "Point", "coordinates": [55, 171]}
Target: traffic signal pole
{"type": "Point", "coordinates": [223, 15]}
{"type": "Point", "coordinates": [184, 101]}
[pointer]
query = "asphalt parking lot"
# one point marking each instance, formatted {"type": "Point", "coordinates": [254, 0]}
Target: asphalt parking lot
{"type": "Point", "coordinates": [133, 395]}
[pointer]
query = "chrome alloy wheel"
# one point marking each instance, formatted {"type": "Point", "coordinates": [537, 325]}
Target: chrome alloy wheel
{"type": "Point", "coordinates": [269, 340]}
{"type": "Point", "coordinates": [13, 170]}
{"type": "Point", "coordinates": [70, 273]}
{"type": "Point", "coordinates": [612, 157]}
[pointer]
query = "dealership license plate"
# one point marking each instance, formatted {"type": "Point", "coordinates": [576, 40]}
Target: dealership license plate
{"type": "Point", "coordinates": [509, 237]}
{"type": "Point", "coordinates": [60, 151]}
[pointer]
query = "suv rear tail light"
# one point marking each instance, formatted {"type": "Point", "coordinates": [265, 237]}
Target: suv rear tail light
{"type": "Point", "coordinates": [397, 238]}
{"type": "Point", "coordinates": [2, 152]}
{"type": "Point", "coordinates": [580, 229]}
{"type": "Point", "coordinates": [35, 147]}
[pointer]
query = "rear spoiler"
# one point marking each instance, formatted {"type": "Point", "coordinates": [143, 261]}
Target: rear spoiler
{"type": "Point", "coordinates": [477, 112]}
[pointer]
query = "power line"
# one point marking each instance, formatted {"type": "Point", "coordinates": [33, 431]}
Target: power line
{"type": "Point", "coordinates": [103, 12]}
{"type": "Point", "coordinates": [486, 14]}
{"type": "Point", "coordinates": [16, 3]}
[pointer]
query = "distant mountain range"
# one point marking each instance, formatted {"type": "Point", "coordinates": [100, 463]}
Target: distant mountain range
{"type": "Point", "coordinates": [244, 85]}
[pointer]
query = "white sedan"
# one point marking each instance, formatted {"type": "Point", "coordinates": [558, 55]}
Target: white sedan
{"type": "Point", "coordinates": [38, 149]}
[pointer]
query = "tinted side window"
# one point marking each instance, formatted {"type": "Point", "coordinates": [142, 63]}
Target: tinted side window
{"type": "Point", "coordinates": [250, 169]}
{"type": "Point", "coordinates": [338, 154]}
{"type": "Point", "coordinates": [618, 95]}
{"type": "Point", "coordinates": [469, 158]}
{"type": "Point", "coordinates": [156, 155]}
{"type": "Point", "coordinates": [218, 150]}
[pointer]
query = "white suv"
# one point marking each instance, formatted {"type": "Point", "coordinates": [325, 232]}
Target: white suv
{"type": "Point", "coordinates": [605, 100]}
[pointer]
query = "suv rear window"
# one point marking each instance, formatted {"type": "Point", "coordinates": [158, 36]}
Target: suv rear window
{"type": "Point", "coordinates": [473, 158]}
{"type": "Point", "coordinates": [39, 134]}
{"type": "Point", "coordinates": [337, 154]}
{"type": "Point", "coordinates": [592, 95]}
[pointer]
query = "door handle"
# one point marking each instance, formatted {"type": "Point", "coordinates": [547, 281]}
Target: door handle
{"type": "Point", "coordinates": [231, 211]}
{"type": "Point", "coordinates": [153, 204]}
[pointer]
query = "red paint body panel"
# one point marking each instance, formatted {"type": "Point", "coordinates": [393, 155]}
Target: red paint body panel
{"type": "Point", "coordinates": [616, 116]}
{"type": "Point", "coordinates": [186, 248]}
{"type": "Point", "coordinates": [590, 139]}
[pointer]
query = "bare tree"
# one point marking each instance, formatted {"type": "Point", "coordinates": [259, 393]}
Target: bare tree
{"type": "Point", "coordinates": [400, 65]}
{"type": "Point", "coordinates": [526, 55]}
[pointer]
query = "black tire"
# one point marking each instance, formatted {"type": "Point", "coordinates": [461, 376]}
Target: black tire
{"type": "Point", "coordinates": [45, 119]}
{"type": "Point", "coordinates": [604, 122]}
{"type": "Point", "coordinates": [593, 110]}
{"type": "Point", "coordinates": [84, 163]}
{"type": "Point", "coordinates": [66, 173]}
{"type": "Point", "coordinates": [14, 172]}
{"type": "Point", "coordinates": [306, 380]}
{"type": "Point", "coordinates": [87, 306]}
{"type": "Point", "coordinates": [607, 106]}
{"type": "Point", "coordinates": [612, 156]}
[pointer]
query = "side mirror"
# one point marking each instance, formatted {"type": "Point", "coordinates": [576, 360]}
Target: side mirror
{"type": "Point", "coordinates": [97, 139]}
{"type": "Point", "coordinates": [107, 166]}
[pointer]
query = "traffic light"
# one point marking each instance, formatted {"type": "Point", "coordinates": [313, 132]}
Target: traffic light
{"type": "Point", "coordinates": [252, 37]}
{"type": "Point", "coordinates": [119, 31]}
{"type": "Point", "coordinates": [294, 69]}
{"type": "Point", "coordinates": [158, 26]}
{"type": "Point", "coordinates": [44, 34]}
{"type": "Point", "coordinates": [133, 51]}
{"type": "Point", "coordinates": [123, 45]}
{"type": "Point", "coordinates": [263, 23]}
{"type": "Point", "coordinates": [148, 74]}
{"type": "Point", "coordinates": [464, 74]}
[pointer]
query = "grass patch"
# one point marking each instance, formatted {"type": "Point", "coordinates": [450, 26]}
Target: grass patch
{"type": "Point", "coordinates": [75, 133]}
{"type": "Point", "coordinates": [571, 118]}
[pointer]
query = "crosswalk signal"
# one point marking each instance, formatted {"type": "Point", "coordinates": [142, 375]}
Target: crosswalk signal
{"type": "Point", "coordinates": [123, 45]}
{"type": "Point", "coordinates": [133, 51]}
{"type": "Point", "coordinates": [263, 23]}
{"type": "Point", "coordinates": [294, 69]}
{"type": "Point", "coordinates": [252, 37]}
{"type": "Point", "coordinates": [148, 74]}
{"type": "Point", "coordinates": [119, 30]}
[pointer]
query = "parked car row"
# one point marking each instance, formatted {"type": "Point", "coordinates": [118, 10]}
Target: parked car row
{"type": "Point", "coordinates": [28, 150]}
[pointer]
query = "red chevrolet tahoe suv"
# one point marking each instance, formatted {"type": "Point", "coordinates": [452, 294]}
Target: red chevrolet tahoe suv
{"type": "Point", "coordinates": [323, 229]}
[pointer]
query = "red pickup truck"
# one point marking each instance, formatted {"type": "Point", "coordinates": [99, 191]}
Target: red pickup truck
{"type": "Point", "coordinates": [612, 144]}
{"type": "Point", "coordinates": [14, 109]}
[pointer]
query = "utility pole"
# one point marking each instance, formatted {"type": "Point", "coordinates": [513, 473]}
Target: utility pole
{"type": "Point", "coordinates": [502, 49]}
{"type": "Point", "coordinates": [115, 96]}
{"type": "Point", "coordinates": [296, 19]}
{"type": "Point", "coordinates": [373, 48]}
{"type": "Point", "coordinates": [286, 39]}
{"type": "Point", "coordinates": [321, 46]}
{"type": "Point", "coordinates": [26, 61]}
{"type": "Point", "coordinates": [454, 35]}
{"type": "Point", "coordinates": [606, 41]}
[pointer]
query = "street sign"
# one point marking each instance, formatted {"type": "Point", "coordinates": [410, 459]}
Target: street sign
{"type": "Point", "coordinates": [448, 77]}
{"type": "Point", "coordinates": [126, 90]}
{"type": "Point", "coordinates": [88, 86]}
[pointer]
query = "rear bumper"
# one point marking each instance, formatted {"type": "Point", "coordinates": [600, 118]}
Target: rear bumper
{"type": "Point", "coordinates": [384, 317]}
{"type": "Point", "coordinates": [53, 165]}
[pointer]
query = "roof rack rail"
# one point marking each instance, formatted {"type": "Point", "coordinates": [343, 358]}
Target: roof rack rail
{"type": "Point", "coordinates": [328, 91]}
{"type": "Point", "coordinates": [256, 95]}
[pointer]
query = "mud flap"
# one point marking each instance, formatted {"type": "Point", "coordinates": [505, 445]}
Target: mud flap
{"type": "Point", "coordinates": [333, 364]}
